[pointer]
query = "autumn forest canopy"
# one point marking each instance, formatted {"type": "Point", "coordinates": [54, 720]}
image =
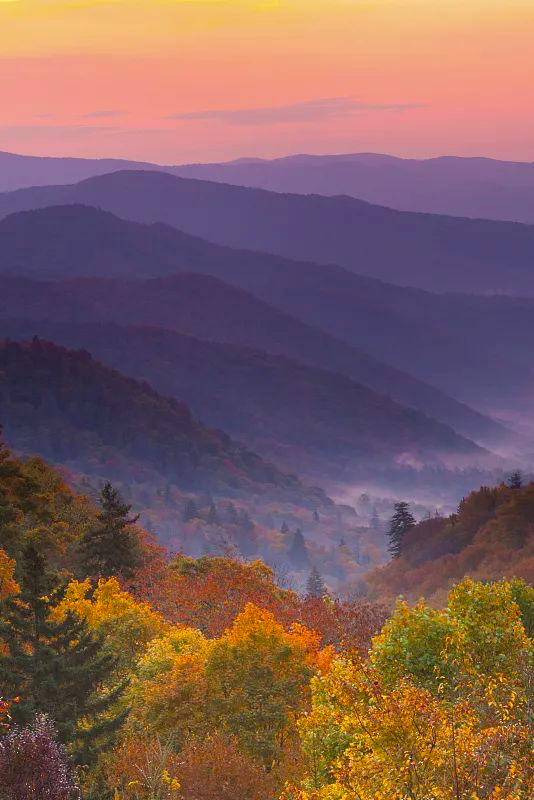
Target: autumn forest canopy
{"type": "Point", "coordinates": [129, 673]}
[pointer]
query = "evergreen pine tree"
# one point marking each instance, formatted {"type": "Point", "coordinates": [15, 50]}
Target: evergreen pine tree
{"type": "Point", "coordinates": [246, 538]}
{"type": "Point", "coordinates": [232, 515]}
{"type": "Point", "coordinates": [298, 552]}
{"type": "Point", "coordinates": [315, 587]}
{"type": "Point", "coordinates": [284, 529]}
{"type": "Point", "coordinates": [515, 481]}
{"type": "Point", "coordinates": [213, 516]}
{"type": "Point", "coordinates": [190, 511]}
{"type": "Point", "coordinates": [375, 523]}
{"type": "Point", "coordinates": [111, 548]}
{"type": "Point", "coordinates": [401, 522]}
{"type": "Point", "coordinates": [55, 668]}
{"type": "Point", "coordinates": [17, 495]}
{"type": "Point", "coordinates": [316, 516]}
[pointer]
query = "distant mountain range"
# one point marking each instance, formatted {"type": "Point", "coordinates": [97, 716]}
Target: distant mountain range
{"type": "Point", "coordinates": [311, 421]}
{"type": "Point", "coordinates": [426, 251]}
{"type": "Point", "coordinates": [198, 304]}
{"type": "Point", "coordinates": [320, 315]}
{"type": "Point", "coordinates": [464, 187]}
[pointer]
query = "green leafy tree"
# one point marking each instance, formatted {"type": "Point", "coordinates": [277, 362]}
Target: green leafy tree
{"type": "Point", "coordinates": [57, 668]}
{"type": "Point", "coordinates": [111, 547]}
{"type": "Point", "coordinates": [401, 522]}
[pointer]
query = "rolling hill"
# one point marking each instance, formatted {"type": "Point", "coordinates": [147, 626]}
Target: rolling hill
{"type": "Point", "coordinates": [482, 188]}
{"type": "Point", "coordinates": [309, 420]}
{"type": "Point", "coordinates": [475, 359]}
{"type": "Point", "coordinates": [73, 411]}
{"type": "Point", "coordinates": [427, 251]}
{"type": "Point", "coordinates": [462, 187]}
{"type": "Point", "coordinates": [490, 537]}
{"type": "Point", "coordinates": [207, 308]}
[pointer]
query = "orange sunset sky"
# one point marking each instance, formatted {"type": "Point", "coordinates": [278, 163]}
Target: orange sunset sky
{"type": "Point", "coordinates": [198, 80]}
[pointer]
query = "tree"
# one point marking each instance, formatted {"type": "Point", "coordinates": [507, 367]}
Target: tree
{"type": "Point", "coordinates": [111, 548]}
{"type": "Point", "coordinates": [55, 667]}
{"type": "Point", "coordinates": [375, 523]}
{"type": "Point", "coordinates": [284, 529]}
{"type": "Point", "coordinates": [33, 766]}
{"type": "Point", "coordinates": [315, 586]}
{"type": "Point", "coordinates": [401, 522]}
{"type": "Point", "coordinates": [216, 769]}
{"type": "Point", "coordinates": [515, 481]}
{"type": "Point", "coordinates": [127, 625]}
{"type": "Point", "coordinates": [257, 678]}
{"type": "Point", "coordinates": [298, 552]}
{"type": "Point", "coordinates": [213, 516]}
{"type": "Point", "coordinates": [441, 710]}
{"type": "Point", "coordinates": [190, 511]}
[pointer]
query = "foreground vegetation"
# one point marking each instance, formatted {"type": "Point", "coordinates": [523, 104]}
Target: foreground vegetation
{"type": "Point", "coordinates": [128, 675]}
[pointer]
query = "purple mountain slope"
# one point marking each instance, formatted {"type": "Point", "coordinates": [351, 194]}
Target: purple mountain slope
{"type": "Point", "coordinates": [423, 250]}
{"type": "Point", "coordinates": [476, 358]}
{"type": "Point", "coordinates": [466, 187]}
{"type": "Point", "coordinates": [463, 187]}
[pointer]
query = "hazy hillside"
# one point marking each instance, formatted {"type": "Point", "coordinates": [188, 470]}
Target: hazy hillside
{"type": "Point", "coordinates": [70, 409]}
{"type": "Point", "coordinates": [482, 188]}
{"type": "Point", "coordinates": [463, 187]}
{"type": "Point", "coordinates": [423, 250]}
{"type": "Point", "coordinates": [19, 171]}
{"type": "Point", "coordinates": [207, 308]}
{"type": "Point", "coordinates": [314, 421]}
{"type": "Point", "coordinates": [476, 359]}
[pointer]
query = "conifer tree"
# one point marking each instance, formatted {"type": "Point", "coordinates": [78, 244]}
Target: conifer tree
{"type": "Point", "coordinates": [213, 516]}
{"type": "Point", "coordinates": [374, 522]}
{"type": "Point", "coordinates": [284, 529]}
{"type": "Point", "coordinates": [111, 548]}
{"type": "Point", "coordinates": [315, 587]}
{"type": "Point", "coordinates": [401, 522]}
{"type": "Point", "coordinates": [190, 511]}
{"type": "Point", "coordinates": [233, 516]}
{"type": "Point", "coordinates": [298, 552]}
{"type": "Point", "coordinates": [515, 481]}
{"type": "Point", "coordinates": [55, 667]}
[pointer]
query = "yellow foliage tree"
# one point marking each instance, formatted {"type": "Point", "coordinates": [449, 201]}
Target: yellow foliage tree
{"type": "Point", "coordinates": [442, 711]}
{"type": "Point", "coordinates": [128, 625]}
{"type": "Point", "coordinates": [8, 584]}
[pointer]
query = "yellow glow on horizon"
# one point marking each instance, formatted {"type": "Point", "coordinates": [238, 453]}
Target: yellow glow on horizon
{"type": "Point", "coordinates": [462, 66]}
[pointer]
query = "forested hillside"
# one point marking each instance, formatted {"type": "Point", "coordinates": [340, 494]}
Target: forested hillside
{"type": "Point", "coordinates": [199, 490]}
{"type": "Point", "coordinates": [490, 536]}
{"type": "Point", "coordinates": [311, 421]}
{"type": "Point", "coordinates": [209, 308]}
{"type": "Point", "coordinates": [130, 675]}
{"type": "Point", "coordinates": [69, 408]}
{"type": "Point", "coordinates": [371, 330]}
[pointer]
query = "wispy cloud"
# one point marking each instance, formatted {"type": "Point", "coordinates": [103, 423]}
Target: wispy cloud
{"type": "Point", "coordinates": [308, 111]}
{"type": "Point", "coordinates": [103, 114]}
{"type": "Point", "coordinates": [52, 131]}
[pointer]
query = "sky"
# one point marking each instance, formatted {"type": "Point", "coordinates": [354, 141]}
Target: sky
{"type": "Point", "coordinates": [178, 81]}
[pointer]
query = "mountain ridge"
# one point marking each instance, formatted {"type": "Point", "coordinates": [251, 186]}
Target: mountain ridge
{"type": "Point", "coordinates": [427, 251]}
